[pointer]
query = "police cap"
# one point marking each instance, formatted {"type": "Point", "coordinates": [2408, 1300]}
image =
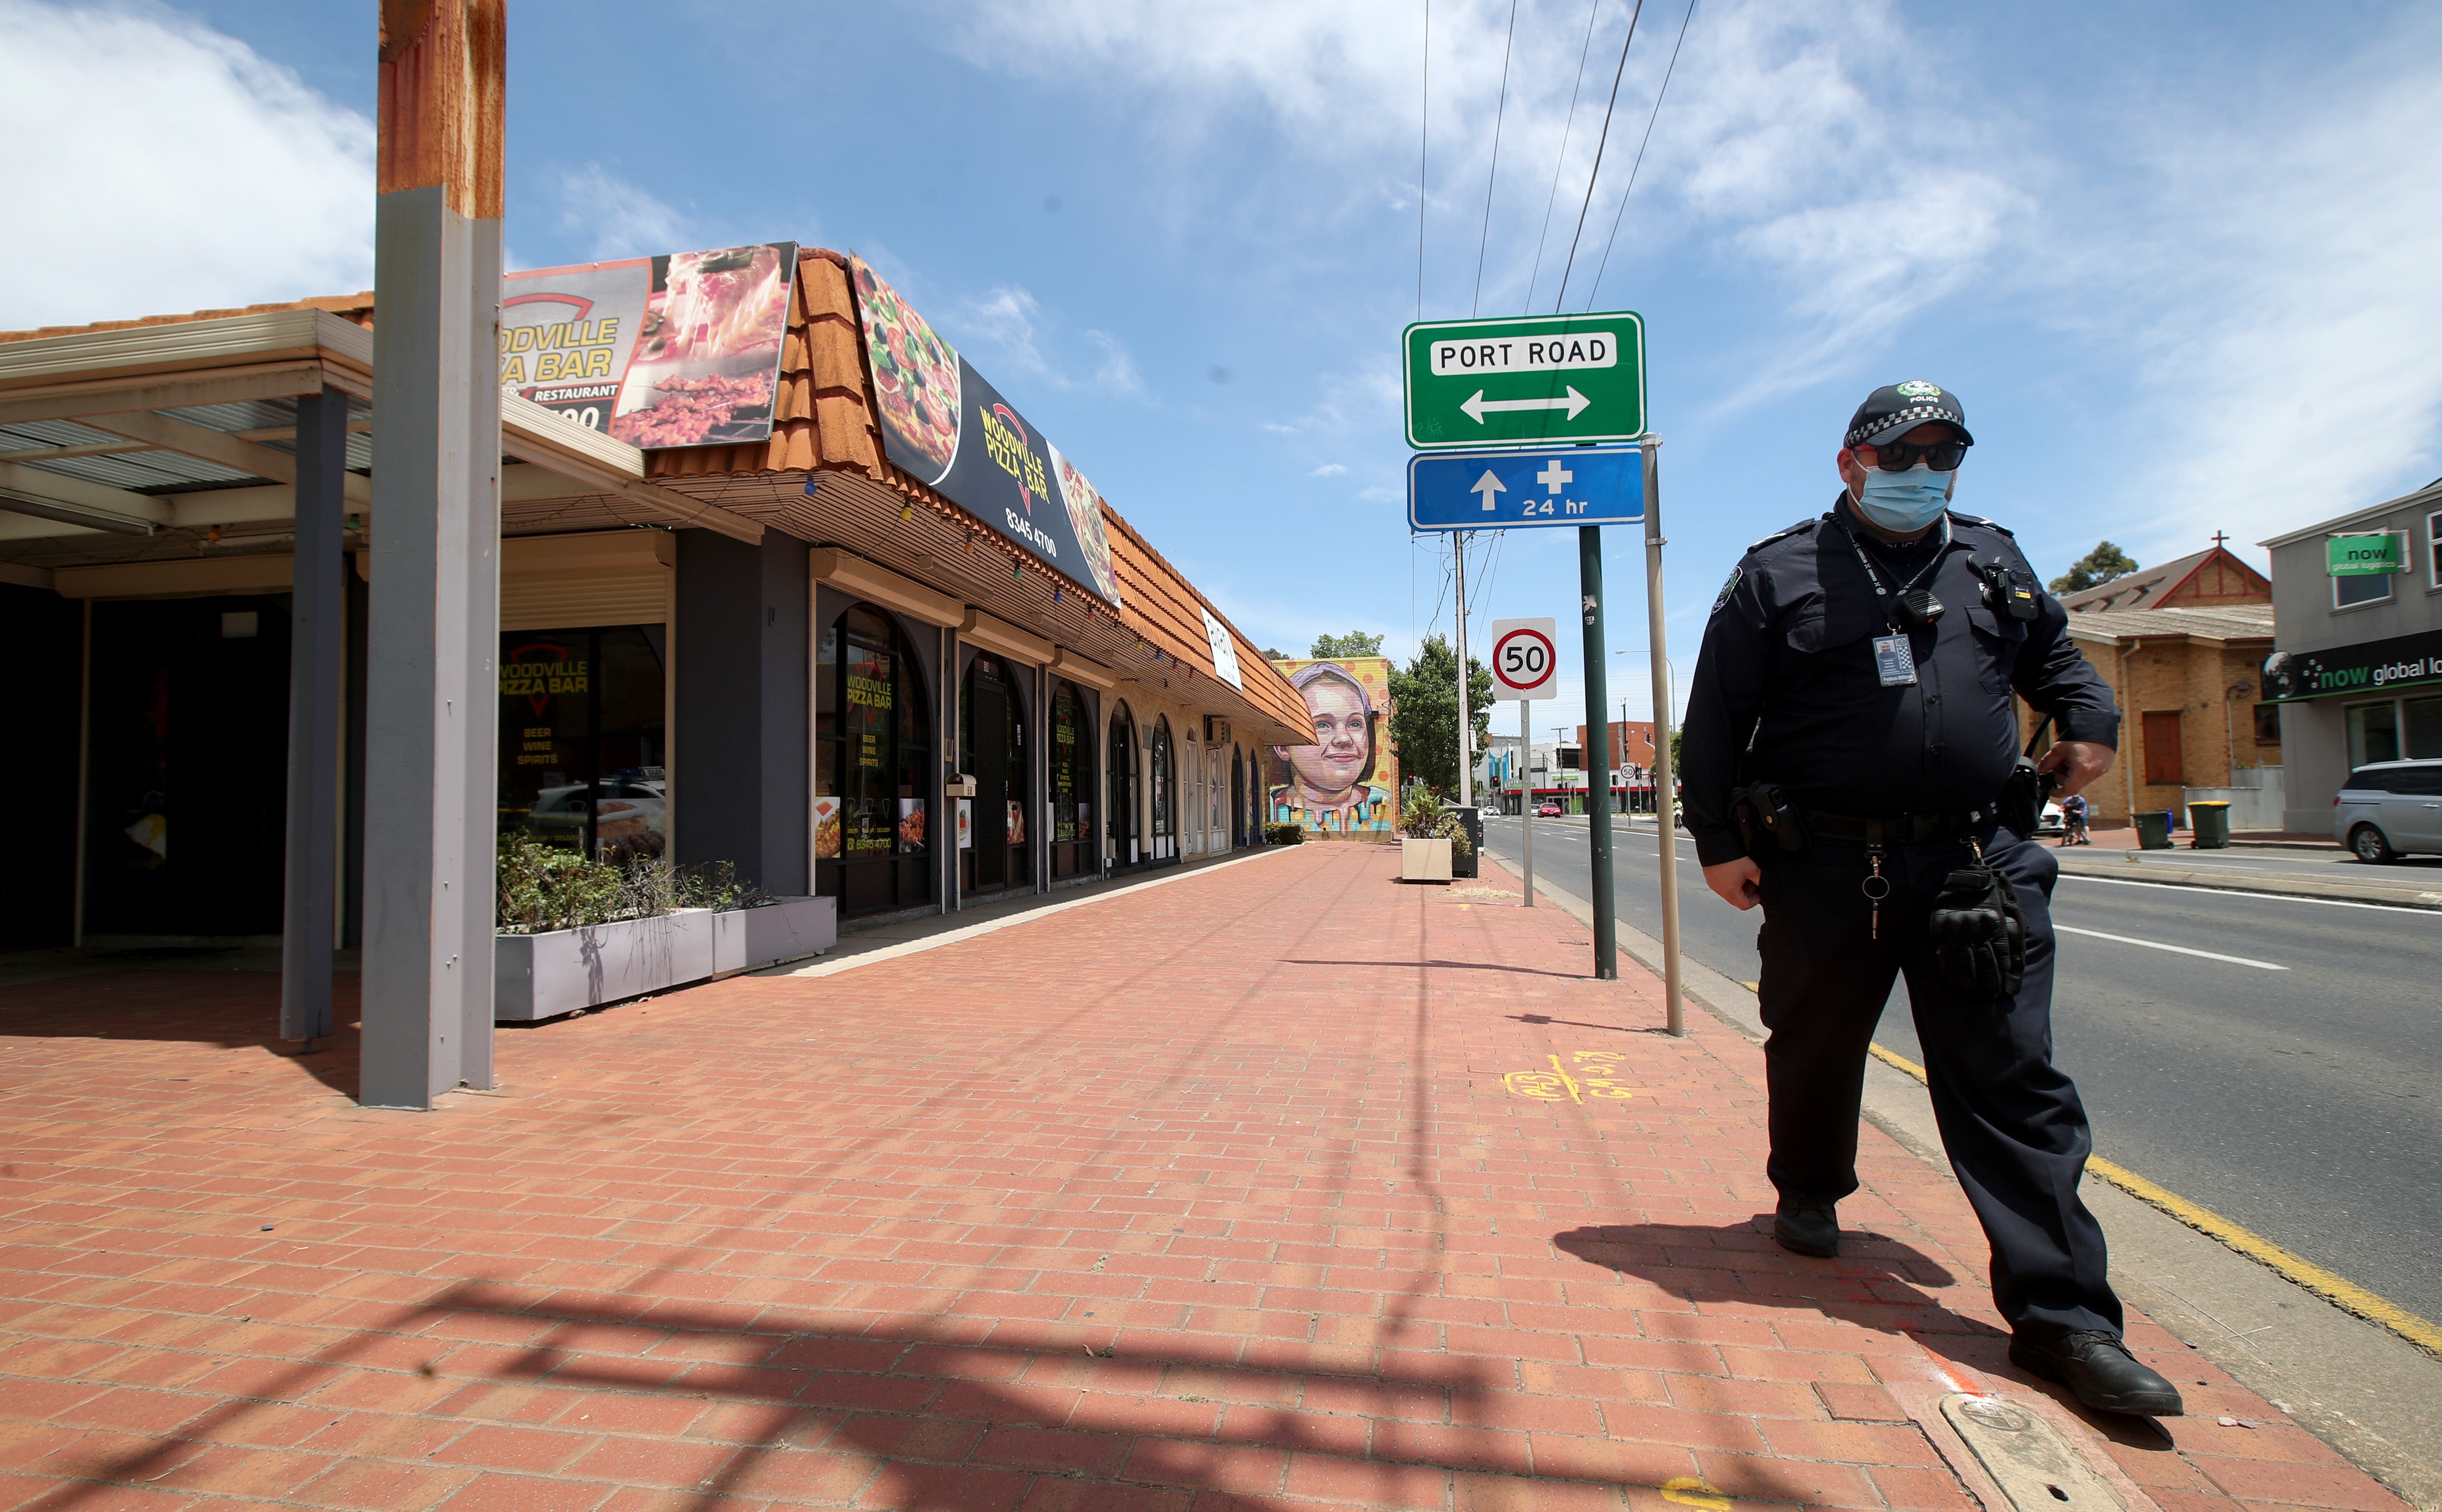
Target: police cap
{"type": "Point", "coordinates": [1896, 409]}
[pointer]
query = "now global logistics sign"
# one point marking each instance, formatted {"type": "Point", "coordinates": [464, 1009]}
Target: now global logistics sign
{"type": "Point", "coordinates": [2398, 661]}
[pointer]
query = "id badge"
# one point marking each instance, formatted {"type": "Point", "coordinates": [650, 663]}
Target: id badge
{"type": "Point", "coordinates": [1894, 660]}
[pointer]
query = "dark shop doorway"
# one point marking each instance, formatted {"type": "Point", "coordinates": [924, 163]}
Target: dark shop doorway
{"type": "Point", "coordinates": [186, 790]}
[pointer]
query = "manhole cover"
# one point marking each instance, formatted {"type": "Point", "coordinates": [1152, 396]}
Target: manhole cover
{"type": "Point", "coordinates": [2027, 1459]}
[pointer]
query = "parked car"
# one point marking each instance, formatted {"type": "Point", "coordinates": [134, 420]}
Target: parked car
{"type": "Point", "coordinates": [2052, 822]}
{"type": "Point", "coordinates": [2387, 809]}
{"type": "Point", "coordinates": [1547, 810]}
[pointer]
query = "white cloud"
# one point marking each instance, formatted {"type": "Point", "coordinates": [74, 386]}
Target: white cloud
{"type": "Point", "coordinates": [613, 218]}
{"type": "Point", "coordinates": [2274, 282]}
{"type": "Point", "coordinates": [155, 166]}
{"type": "Point", "coordinates": [1009, 324]}
{"type": "Point", "coordinates": [1329, 469]}
{"type": "Point", "coordinates": [1116, 371]}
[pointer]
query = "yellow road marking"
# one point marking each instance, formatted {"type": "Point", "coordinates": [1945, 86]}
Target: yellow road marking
{"type": "Point", "coordinates": [1688, 1490]}
{"type": "Point", "coordinates": [1550, 1086]}
{"type": "Point", "coordinates": [2339, 1290]}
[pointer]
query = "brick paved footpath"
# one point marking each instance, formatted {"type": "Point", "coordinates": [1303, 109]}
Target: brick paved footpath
{"type": "Point", "coordinates": [1216, 1194]}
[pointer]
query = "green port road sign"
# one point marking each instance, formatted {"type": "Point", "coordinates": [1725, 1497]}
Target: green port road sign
{"type": "Point", "coordinates": [1527, 381]}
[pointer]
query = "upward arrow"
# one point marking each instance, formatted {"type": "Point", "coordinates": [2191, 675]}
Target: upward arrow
{"type": "Point", "coordinates": [1487, 485]}
{"type": "Point", "coordinates": [1477, 406]}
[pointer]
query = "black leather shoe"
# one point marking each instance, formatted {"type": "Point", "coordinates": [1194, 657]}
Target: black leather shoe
{"type": "Point", "coordinates": [1807, 1226]}
{"type": "Point", "coordinates": [2098, 1367]}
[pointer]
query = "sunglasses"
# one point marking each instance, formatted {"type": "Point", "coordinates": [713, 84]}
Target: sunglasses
{"type": "Point", "coordinates": [1898, 456]}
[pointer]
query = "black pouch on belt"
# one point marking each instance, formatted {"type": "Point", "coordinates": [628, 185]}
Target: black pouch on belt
{"type": "Point", "coordinates": [1979, 933]}
{"type": "Point", "coordinates": [1771, 814]}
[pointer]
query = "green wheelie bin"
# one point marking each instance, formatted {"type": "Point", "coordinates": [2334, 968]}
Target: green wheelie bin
{"type": "Point", "coordinates": [2209, 820]}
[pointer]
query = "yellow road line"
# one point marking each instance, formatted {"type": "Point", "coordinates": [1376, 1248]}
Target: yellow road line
{"type": "Point", "coordinates": [2339, 1290]}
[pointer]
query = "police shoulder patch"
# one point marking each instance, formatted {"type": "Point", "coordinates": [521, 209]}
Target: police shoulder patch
{"type": "Point", "coordinates": [1728, 588]}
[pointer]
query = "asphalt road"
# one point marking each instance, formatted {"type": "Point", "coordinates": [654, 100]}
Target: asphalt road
{"type": "Point", "coordinates": [2304, 1104]}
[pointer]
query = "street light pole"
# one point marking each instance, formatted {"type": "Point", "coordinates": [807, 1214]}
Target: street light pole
{"type": "Point", "coordinates": [1665, 802]}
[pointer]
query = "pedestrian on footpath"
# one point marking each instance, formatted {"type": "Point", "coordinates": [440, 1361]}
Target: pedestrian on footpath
{"type": "Point", "coordinates": [2073, 820]}
{"type": "Point", "coordinates": [1851, 764]}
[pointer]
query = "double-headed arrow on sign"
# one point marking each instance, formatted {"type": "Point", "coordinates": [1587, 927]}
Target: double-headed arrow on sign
{"type": "Point", "coordinates": [1477, 406]}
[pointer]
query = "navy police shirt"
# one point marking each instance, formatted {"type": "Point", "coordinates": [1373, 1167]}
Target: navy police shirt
{"type": "Point", "coordinates": [1789, 663]}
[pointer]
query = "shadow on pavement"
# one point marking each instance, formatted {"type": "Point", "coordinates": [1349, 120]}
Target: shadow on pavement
{"type": "Point", "coordinates": [928, 1415]}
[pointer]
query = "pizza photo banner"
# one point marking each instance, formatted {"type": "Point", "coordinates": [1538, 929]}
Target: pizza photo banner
{"type": "Point", "coordinates": [949, 429]}
{"type": "Point", "coordinates": [682, 350]}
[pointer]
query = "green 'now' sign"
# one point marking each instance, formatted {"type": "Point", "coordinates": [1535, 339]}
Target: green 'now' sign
{"type": "Point", "coordinates": [1525, 381]}
{"type": "Point", "coordinates": [2360, 555]}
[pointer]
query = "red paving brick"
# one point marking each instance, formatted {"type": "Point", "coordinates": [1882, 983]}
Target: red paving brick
{"type": "Point", "coordinates": [1256, 1190]}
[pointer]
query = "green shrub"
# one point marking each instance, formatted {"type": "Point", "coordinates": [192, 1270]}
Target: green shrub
{"type": "Point", "coordinates": [546, 888]}
{"type": "Point", "coordinates": [1425, 819]}
{"type": "Point", "coordinates": [1284, 834]}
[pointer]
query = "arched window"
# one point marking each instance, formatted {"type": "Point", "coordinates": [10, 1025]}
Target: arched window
{"type": "Point", "coordinates": [873, 748]}
{"type": "Point", "coordinates": [992, 844]}
{"type": "Point", "coordinates": [1071, 796]}
{"type": "Point", "coordinates": [1163, 775]}
{"type": "Point", "coordinates": [1121, 768]}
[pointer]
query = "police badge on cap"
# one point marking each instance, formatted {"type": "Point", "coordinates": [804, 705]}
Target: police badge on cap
{"type": "Point", "coordinates": [1896, 409]}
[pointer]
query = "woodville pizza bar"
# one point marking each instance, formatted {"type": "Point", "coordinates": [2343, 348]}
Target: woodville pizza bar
{"type": "Point", "coordinates": [821, 604]}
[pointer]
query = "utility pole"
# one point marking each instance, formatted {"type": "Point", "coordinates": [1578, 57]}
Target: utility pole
{"type": "Point", "coordinates": [433, 633]}
{"type": "Point", "coordinates": [1665, 804]}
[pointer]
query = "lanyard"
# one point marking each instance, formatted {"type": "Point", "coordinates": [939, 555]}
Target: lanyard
{"type": "Point", "coordinates": [1883, 599]}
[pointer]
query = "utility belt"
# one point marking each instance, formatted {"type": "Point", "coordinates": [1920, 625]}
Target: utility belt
{"type": "Point", "coordinates": [1768, 819]}
{"type": "Point", "coordinates": [1976, 925]}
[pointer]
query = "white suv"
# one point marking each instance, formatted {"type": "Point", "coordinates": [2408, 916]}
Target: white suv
{"type": "Point", "coordinates": [2388, 809]}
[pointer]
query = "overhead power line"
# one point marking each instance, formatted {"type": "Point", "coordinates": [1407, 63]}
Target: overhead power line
{"type": "Point", "coordinates": [1622, 212]}
{"type": "Point", "coordinates": [1553, 198]}
{"type": "Point", "coordinates": [1484, 239]}
{"type": "Point", "coordinates": [1423, 133]}
{"type": "Point", "coordinates": [1604, 141]}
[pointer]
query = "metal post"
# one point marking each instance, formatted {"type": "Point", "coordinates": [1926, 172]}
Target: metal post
{"type": "Point", "coordinates": [433, 633]}
{"type": "Point", "coordinates": [317, 608]}
{"type": "Point", "coordinates": [1466, 723]}
{"type": "Point", "coordinates": [1665, 804]}
{"type": "Point", "coordinates": [1526, 796]}
{"type": "Point", "coordinates": [1597, 758]}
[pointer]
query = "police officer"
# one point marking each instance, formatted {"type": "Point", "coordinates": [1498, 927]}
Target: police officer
{"type": "Point", "coordinates": [1851, 754]}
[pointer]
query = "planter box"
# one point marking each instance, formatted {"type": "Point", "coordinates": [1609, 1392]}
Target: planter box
{"type": "Point", "coordinates": [538, 976]}
{"type": "Point", "coordinates": [743, 938]}
{"type": "Point", "coordinates": [1424, 860]}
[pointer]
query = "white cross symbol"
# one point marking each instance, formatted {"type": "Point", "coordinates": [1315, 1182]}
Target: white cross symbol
{"type": "Point", "coordinates": [1554, 475]}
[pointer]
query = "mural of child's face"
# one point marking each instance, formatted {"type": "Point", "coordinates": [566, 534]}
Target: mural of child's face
{"type": "Point", "coordinates": [1341, 738]}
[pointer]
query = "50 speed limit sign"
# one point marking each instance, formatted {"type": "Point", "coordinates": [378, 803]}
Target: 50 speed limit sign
{"type": "Point", "coordinates": [1525, 658]}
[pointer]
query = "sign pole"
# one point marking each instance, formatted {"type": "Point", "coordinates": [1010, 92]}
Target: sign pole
{"type": "Point", "coordinates": [1466, 723]}
{"type": "Point", "coordinates": [1526, 795]}
{"type": "Point", "coordinates": [1597, 755]}
{"type": "Point", "coordinates": [1665, 803]}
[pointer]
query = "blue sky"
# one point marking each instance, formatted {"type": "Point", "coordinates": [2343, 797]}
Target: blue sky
{"type": "Point", "coordinates": [2178, 259]}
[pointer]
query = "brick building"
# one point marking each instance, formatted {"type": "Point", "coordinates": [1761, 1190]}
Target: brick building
{"type": "Point", "coordinates": [2206, 579]}
{"type": "Point", "coordinates": [2187, 684]}
{"type": "Point", "coordinates": [1632, 745]}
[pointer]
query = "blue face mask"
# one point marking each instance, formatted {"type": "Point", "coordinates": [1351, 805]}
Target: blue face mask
{"type": "Point", "coordinates": [1905, 501]}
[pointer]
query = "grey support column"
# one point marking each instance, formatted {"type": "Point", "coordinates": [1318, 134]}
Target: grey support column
{"type": "Point", "coordinates": [741, 675]}
{"type": "Point", "coordinates": [317, 610]}
{"type": "Point", "coordinates": [433, 631]}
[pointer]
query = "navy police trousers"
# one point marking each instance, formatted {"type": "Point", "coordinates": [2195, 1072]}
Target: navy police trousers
{"type": "Point", "coordinates": [2011, 1122]}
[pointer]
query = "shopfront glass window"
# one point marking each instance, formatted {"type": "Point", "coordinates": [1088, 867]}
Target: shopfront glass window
{"type": "Point", "coordinates": [583, 739]}
{"type": "Point", "coordinates": [2423, 721]}
{"type": "Point", "coordinates": [1071, 767]}
{"type": "Point", "coordinates": [1162, 779]}
{"type": "Point", "coordinates": [2374, 733]}
{"type": "Point", "coordinates": [872, 765]}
